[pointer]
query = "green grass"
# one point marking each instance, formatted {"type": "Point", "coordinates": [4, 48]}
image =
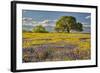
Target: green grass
{"type": "Point", "coordinates": [55, 46]}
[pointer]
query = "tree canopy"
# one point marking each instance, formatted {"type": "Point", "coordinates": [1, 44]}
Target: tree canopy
{"type": "Point", "coordinates": [39, 29]}
{"type": "Point", "coordinates": [67, 23]}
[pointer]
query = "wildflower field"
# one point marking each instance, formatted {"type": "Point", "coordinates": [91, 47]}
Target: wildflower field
{"type": "Point", "coordinates": [40, 47]}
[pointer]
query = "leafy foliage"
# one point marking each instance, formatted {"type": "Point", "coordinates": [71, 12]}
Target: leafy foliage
{"type": "Point", "coordinates": [67, 23]}
{"type": "Point", "coordinates": [39, 29]}
{"type": "Point", "coordinates": [79, 26]}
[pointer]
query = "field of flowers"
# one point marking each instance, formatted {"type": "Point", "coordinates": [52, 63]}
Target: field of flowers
{"type": "Point", "coordinates": [40, 47]}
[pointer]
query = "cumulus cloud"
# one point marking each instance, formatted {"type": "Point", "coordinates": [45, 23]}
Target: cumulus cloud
{"type": "Point", "coordinates": [32, 22]}
{"type": "Point", "coordinates": [86, 25]}
{"type": "Point", "coordinates": [48, 22]}
{"type": "Point", "coordinates": [87, 17]}
{"type": "Point", "coordinates": [45, 21]}
{"type": "Point", "coordinates": [28, 21]}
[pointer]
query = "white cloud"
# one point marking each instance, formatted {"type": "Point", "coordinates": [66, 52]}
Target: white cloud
{"type": "Point", "coordinates": [45, 21]}
{"type": "Point", "coordinates": [87, 17]}
{"type": "Point", "coordinates": [86, 25]}
{"type": "Point", "coordinates": [27, 18]}
{"type": "Point", "coordinates": [30, 21]}
{"type": "Point", "coordinates": [48, 22]}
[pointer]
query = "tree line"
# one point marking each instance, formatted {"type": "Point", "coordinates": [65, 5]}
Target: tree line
{"type": "Point", "coordinates": [63, 24]}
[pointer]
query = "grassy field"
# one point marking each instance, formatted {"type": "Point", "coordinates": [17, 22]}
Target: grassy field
{"type": "Point", "coordinates": [40, 47]}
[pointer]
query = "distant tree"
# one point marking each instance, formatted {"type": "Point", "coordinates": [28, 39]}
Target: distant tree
{"type": "Point", "coordinates": [65, 24]}
{"type": "Point", "coordinates": [39, 29]}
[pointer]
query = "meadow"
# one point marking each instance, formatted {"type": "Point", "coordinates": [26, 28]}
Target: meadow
{"type": "Point", "coordinates": [40, 47]}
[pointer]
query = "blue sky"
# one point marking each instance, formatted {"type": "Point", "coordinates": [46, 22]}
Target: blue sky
{"type": "Point", "coordinates": [50, 17]}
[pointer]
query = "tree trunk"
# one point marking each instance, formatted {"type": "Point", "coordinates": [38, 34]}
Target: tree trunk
{"type": "Point", "coordinates": [68, 30]}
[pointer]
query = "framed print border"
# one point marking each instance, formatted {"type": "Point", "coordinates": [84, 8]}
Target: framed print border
{"type": "Point", "coordinates": [14, 35]}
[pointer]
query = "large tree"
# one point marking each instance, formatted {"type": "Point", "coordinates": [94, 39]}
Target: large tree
{"type": "Point", "coordinates": [67, 23]}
